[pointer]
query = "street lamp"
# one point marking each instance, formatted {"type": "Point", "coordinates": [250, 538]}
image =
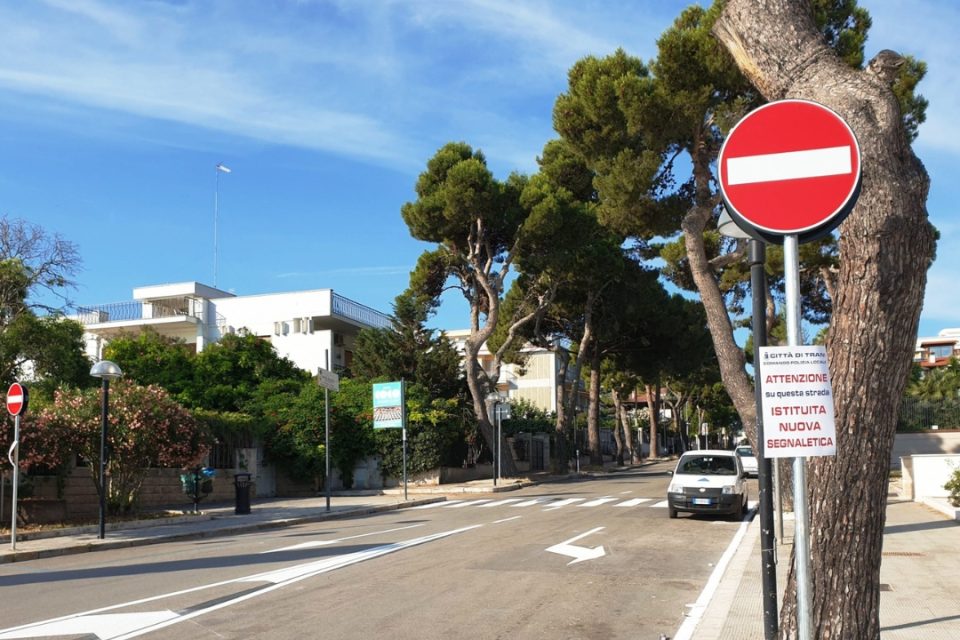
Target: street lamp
{"type": "Point", "coordinates": [220, 168]}
{"type": "Point", "coordinates": [106, 371]}
{"type": "Point", "coordinates": [758, 290]}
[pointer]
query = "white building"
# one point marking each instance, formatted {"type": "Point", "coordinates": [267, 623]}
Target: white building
{"type": "Point", "coordinates": [534, 381]}
{"type": "Point", "coordinates": [303, 326]}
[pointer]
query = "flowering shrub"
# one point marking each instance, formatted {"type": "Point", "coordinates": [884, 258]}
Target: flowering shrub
{"type": "Point", "coordinates": [953, 486]}
{"type": "Point", "coordinates": [146, 428]}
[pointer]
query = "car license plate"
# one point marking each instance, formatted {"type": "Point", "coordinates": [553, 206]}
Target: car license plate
{"type": "Point", "coordinates": [702, 501]}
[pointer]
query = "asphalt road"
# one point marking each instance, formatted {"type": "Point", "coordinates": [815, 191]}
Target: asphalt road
{"type": "Point", "coordinates": [587, 559]}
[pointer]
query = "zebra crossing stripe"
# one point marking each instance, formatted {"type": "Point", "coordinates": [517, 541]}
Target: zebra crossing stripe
{"type": "Point", "coordinates": [598, 502]}
{"type": "Point", "coordinates": [632, 502]}
{"type": "Point", "coordinates": [500, 503]}
{"type": "Point", "coordinates": [528, 503]}
{"type": "Point", "coordinates": [437, 504]}
{"type": "Point", "coordinates": [562, 503]}
{"type": "Point", "coordinates": [472, 503]}
{"type": "Point", "coordinates": [660, 505]}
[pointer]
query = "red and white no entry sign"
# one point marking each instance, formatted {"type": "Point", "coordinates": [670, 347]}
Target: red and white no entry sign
{"type": "Point", "coordinates": [791, 167]}
{"type": "Point", "coordinates": [16, 399]}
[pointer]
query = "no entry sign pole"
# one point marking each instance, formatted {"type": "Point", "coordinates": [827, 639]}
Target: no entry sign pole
{"type": "Point", "coordinates": [801, 536]}
{"type": "Point", "coordinates": [789, 173]}
{"type": "Point", "coordinates": [16, 406]}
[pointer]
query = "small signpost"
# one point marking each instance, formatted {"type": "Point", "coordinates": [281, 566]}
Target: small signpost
{"type": "Point", "coordinates": [790, 172]}
{"type": "Point", "coordinates": [389, 412]}
{"type": "Point", "coordinates": [798, 413]}
{"type": "Point", "coordinates": [17, 398]}
{"type": "Point", "coordinates": [330, 382]}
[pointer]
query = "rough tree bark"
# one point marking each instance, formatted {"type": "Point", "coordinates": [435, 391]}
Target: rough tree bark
{"type": "Point", "coordinates": [886, 246]}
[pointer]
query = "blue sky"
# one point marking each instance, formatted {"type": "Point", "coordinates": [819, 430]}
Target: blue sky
{"type": "Point", "coordinates": [113, 116]}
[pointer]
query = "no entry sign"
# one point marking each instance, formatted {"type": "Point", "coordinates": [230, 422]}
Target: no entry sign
{"type": "Point", "coordinates": [16, 399]}
{"type": "Point", "coordinates": [791, 167]}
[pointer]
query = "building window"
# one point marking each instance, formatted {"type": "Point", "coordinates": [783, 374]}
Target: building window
{"type": "Point", "coordinates": [940, 350]}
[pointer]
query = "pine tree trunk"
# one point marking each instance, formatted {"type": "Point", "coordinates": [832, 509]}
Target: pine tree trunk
{"type": "Point", "coordinates": [886, 246]}
{"type": "Point", "coordinates": [653, 408]}
{"type": "Point", "coordinates": [593, 414]}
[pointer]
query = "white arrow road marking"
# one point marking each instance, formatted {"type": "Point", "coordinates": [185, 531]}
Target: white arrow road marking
{"type": "Point", "coordinates": [579, 554]}
{"type": "Point", "coordinates": [597, 502]}
{"type": "Point", "coordinates": [632, 502]}
{"type": "Point", "coordinates": [791, 165]}
{"type": "Point", "coordinates": [324, 543]}
{"type": "Point", "coordinates": [103, 626]}
{"type": "Point", "coordinates": [562, 503]}
{"type": "Point", "coordinates": [124, 626]}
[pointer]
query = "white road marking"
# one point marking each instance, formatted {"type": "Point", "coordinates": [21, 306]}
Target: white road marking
{"type": "Point", "coordinates": [598, 502]}
{"type": "Point", "coordinates": [323, 543]}
{"type": "Point", "coordinates": [91, 623]}
{"type": "Point", "coordinates": [528, 503]}
{"type": "Point", "coordinates": [471, 503]}
{"type": "Point", "coordinates": [686, 630]}
{"type": "Point", "coordinates": [507, 519]}
{"type": "Point", "coordinates": [443, 503]}
{"type": "Point", "coordinates": [337, 562]}
{"type": "Point", "coordinates": [790, 165]}
{"type": "Point", "coordinates": [632, 502]}
{"type": "Point", "coordinates": [660, 505]}
{"type": "Point", "coordinates": [500, 503]}
{"type": "Point", "coordinates": [624, 492]}
{"type": "Point", "coordinates": [579, 554]}
{"type": "Point", "coordinates": [108, 625]}
{"type": "Point", "coordinates": [559, 504]}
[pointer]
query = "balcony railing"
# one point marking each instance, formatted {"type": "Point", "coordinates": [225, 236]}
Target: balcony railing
{"type": "Point", "coordinates": [357, 312]}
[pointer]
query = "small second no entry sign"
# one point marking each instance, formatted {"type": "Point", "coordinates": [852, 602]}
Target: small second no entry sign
{"type": "Point", "coordinates": [791, 167]}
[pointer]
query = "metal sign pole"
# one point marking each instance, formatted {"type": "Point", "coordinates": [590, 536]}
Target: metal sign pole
{"type": "Point", "coordinates": [403, 422]}
{"type": "Point", "coordinates": [326, 427]}
{"type": "Point", "coordinates": [791, 272]}
{"type": "Point", "coordinates": [14, 456]}
{"type": "Point", "coordinates": [758, 286]}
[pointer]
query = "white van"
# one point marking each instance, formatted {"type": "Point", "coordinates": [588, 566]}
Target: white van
{"type": "Point", "coordinates": [708, 481]}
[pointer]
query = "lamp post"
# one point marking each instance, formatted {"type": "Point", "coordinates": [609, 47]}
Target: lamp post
{"type": "Point", "coordinates": [106, 371]}
{"type": "Point", "coordinates": [220, 168]}
{"type": "Point", "coordinates": [758, 291]}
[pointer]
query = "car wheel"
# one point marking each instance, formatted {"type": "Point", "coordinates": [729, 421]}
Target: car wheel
{"type": "Point", "coordinates": [672, 512]}
{"type": "Point", "coordinates": [738, 514]}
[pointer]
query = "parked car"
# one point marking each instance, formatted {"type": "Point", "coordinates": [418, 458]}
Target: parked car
{"type": "Point", "coordinates": [747, 459]}
{"type": "Point", "coordinates": [708, 481]}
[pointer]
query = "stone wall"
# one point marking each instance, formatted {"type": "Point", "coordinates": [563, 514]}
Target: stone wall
{"type": "Point", "coordinates": [942, 441]}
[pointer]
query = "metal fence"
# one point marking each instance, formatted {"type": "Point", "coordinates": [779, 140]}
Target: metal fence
{"type": "Point", "coordinates": [361, 313]}
{"type": "Point", "coordinates": [918, 415]}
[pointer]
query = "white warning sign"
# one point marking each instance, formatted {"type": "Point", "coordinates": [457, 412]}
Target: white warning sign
{"type": "Point", "coordinates": [798, 418]}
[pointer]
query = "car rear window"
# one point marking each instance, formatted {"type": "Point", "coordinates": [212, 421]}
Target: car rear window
{"type": "Point", "coordinates": [708, 465]}
{"type": "Point", "coordinates": [744, 451]}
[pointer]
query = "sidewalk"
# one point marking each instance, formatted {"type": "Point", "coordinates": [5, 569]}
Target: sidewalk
{"type": "Point", "coordinates": [919, 579]}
